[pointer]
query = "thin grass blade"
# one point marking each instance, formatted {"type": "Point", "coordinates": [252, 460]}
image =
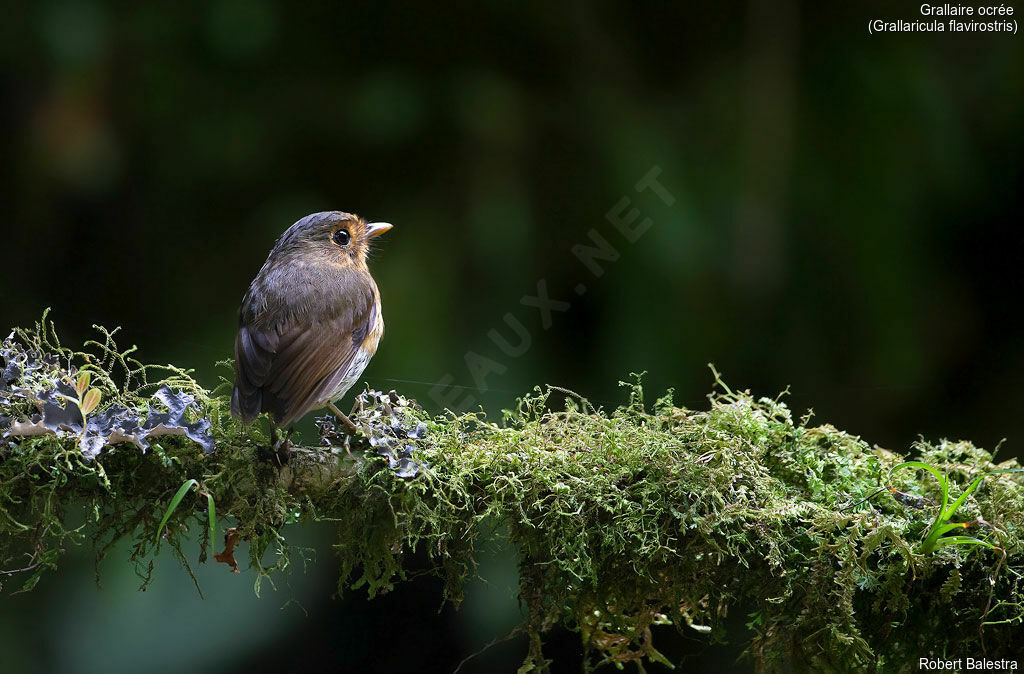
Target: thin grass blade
{"type": "Point", "coordinates": [963, 497]}
{"type": "Point", "coordinates": [938, 476]}
{"type": "Point", "coordinates": [174, 504]}
{"type": "Point", "coordinates": [211, 509]}
{"type": "Point", "coordinates": [964, 540]}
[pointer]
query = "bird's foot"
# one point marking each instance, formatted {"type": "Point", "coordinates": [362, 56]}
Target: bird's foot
{"type": "Point", "coordinates": [350, 428]}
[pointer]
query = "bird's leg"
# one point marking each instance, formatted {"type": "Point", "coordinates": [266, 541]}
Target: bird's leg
{"type": "Point", "coordinates": [280, 443]}
{"type": "Point", "coordinates": [350, 427]}
{"type": "Point", "coordinates": [274, 432]}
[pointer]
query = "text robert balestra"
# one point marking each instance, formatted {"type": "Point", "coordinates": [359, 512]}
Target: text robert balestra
{"type": "Point", "coordinates": [965, 665]}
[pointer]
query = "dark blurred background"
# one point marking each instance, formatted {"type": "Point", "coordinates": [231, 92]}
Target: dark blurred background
{"type": "Point", "coordinates": [844, 220]}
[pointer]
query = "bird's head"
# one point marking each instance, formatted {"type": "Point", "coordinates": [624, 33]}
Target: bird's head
{"type": "Point", "coordinates": [331, 236]}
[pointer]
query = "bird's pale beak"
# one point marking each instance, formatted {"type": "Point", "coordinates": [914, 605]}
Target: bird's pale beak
{"type": "Point", "coordinates": [377, 228]}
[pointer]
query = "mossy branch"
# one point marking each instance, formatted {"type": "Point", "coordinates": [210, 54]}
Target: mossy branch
{"type": "Point", "coordinates": [623, 520]}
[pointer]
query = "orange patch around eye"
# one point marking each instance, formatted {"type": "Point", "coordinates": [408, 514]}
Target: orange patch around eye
{"type": "Point", "coordinates": [334, 230]}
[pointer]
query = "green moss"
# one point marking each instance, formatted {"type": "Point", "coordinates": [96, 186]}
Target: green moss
{"type": "Point", "coordinates": [623, 520]}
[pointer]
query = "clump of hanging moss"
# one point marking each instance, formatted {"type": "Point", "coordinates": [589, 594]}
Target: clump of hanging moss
{"type": "Point", "coordinates": [623, 520]}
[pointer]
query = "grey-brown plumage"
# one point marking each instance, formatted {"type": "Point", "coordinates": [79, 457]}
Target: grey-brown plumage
{"type": "Point", "coordinates": [310, 321]}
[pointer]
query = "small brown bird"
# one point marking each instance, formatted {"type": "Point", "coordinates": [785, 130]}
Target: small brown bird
{"type": "Point", "coordinates": [310, 321]}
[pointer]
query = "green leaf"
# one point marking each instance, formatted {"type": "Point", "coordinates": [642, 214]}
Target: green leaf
{"type": "Point", "coordinates": [945, 528]}
{"type": "Point", "coordinates": [82, 385]}
{"type": "Point", "coordinates": [212, 510]}
{"type": "Point", "coordinates": [91, 400]}
{"type": "Point", "coordinates": [943, 483]}
{"type": "Point", "coordinates": [174, 504]}
{"type": "Point", "coordinates": [964, 540]}
{"type": "Point", "coordinates": [974, 485]}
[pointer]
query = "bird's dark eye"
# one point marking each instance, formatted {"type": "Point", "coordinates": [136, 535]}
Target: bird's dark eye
{"type": "Point", "coordinates": [341, 237]}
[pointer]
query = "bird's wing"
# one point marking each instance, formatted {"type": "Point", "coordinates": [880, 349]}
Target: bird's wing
{"type": "Point", "coordinates": [254, 353]}
{"type": "Point", "coordinates": [288, 366]}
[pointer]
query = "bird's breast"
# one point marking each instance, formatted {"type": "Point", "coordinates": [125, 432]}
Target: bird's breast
{"type": "Point", "coordinates": [362, 356]}
{"type": "Point", "coordinates": [377, 331]}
